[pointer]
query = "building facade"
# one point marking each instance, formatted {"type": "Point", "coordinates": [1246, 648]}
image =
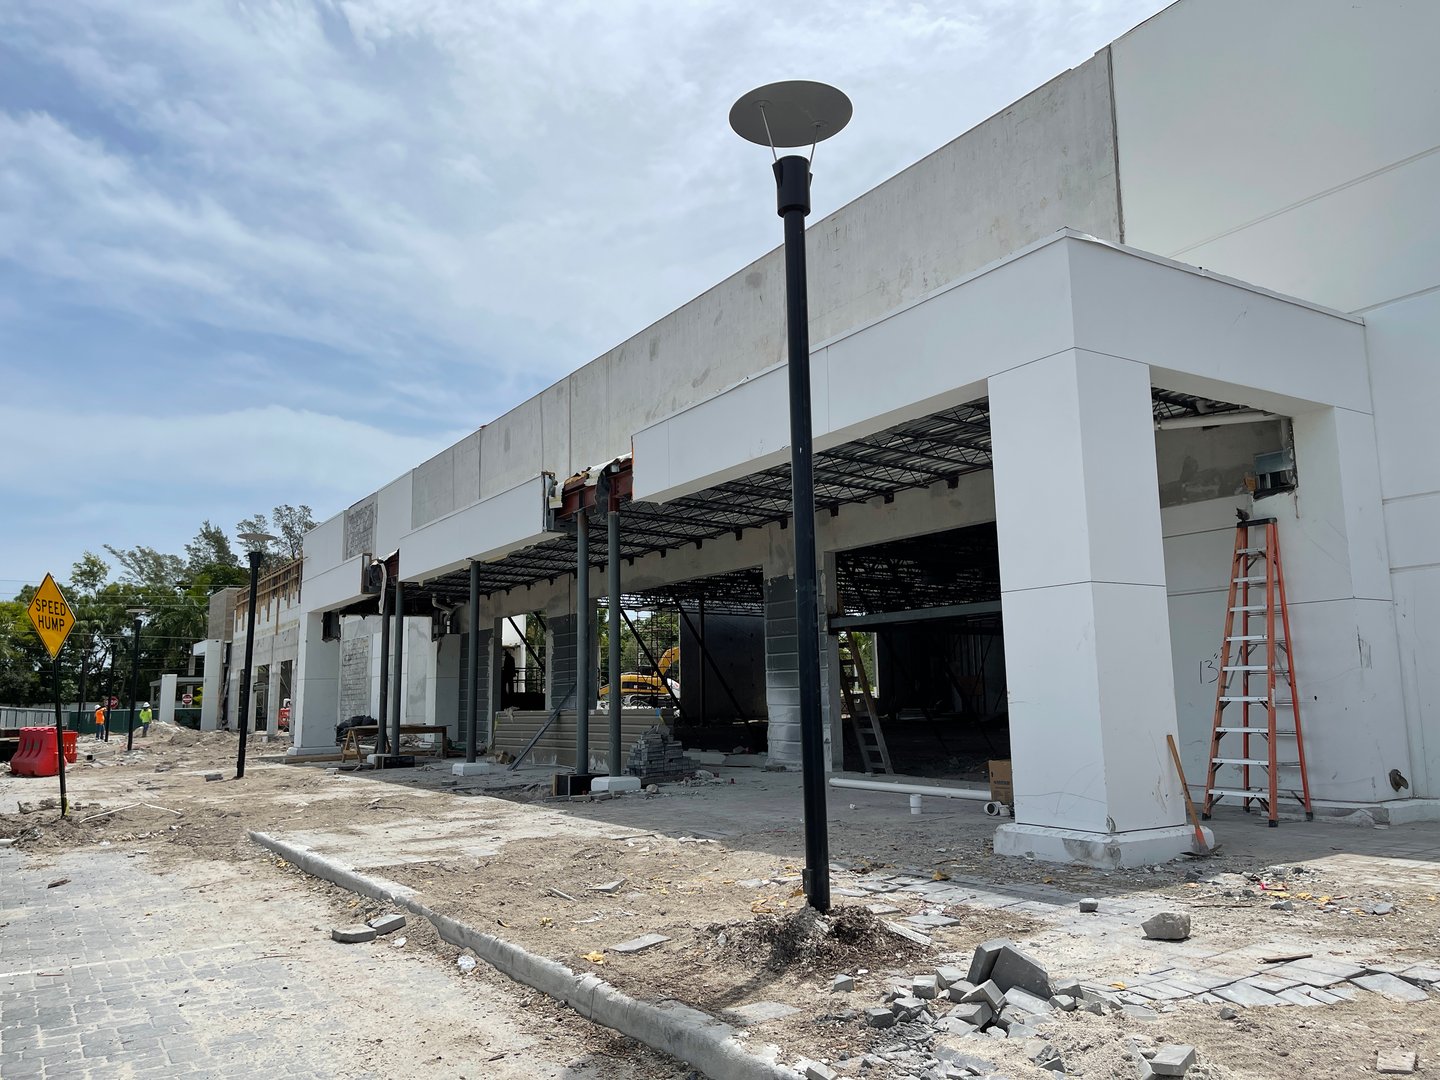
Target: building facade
{"type": "Point", "coordinates": [1197, 274]}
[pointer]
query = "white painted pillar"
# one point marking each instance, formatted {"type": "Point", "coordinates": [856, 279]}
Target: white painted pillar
{"type": "Point", "coordinates": [169, 689]}
{"type": "Point", "coordinates": [1087, 633]}
{"type": "Point", "coordinates": [270, 722]}
{"type": "Point", "coordinates": [315, 706]}
{"type": "Point", "coordinates": [214, 685]}
{"type": "Point", "coordinates": [1337, 576]}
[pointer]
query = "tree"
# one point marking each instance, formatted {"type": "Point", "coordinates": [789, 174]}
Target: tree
{"type": "Point", "coordinates": [291, 523]}
{"type": "Point", "coordinates": [146, 566]}
{"type": "Point", "coordinates": [210, 551]}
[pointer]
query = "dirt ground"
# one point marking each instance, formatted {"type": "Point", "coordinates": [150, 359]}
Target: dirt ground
{"type": "Point", "coordinates": [543, 873]}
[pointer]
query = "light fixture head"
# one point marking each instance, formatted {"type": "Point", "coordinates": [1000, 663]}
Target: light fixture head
{"type": "Point", "coordinates": [255, 541]}
{"type": "Point", "coordinates": [790, 114]}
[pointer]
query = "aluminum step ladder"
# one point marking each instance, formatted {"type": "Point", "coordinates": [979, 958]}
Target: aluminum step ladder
{"type": "Point", "coordinates": [1257, 681]}
{"type": "Point", "coordinates": [860, 708]}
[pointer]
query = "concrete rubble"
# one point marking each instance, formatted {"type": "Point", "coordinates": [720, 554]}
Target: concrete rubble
{"type": "Point", "coordinates": [387, 924]}
{"type": "Point", "coordinates": [352, 935]}
{"type": "Point", "coordinates": [1167, 926]}
{"type": "Point", "coordinates": [1396, 1062]}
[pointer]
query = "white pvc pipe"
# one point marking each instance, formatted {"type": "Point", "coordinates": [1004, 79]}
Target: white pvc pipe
{"type": "Point", "coordinates": [974, 794]}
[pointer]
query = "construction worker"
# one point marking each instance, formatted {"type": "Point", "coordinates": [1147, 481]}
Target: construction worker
{"type": "Point", "coordinates": [145, 717]}
{"type": "Point", "coordinates": [99, 722]}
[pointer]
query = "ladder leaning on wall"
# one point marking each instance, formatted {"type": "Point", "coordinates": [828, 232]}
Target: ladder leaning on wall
{"type": "Point", "coordinates": [1259, 650]}
{"type": "Point", "coordinates": [860, 707]}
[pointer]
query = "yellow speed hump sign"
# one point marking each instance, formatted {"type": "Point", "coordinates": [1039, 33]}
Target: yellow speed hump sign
{"type": "Point", "coordinates": [52, 616]}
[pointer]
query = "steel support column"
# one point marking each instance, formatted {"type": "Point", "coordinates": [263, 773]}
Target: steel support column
{"type": "Point", "coordinates": [583, 613]}
{"type": "Point", "coordinates": [612, 571]}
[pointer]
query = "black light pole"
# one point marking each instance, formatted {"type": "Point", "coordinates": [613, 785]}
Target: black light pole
{"type": "Point", "coordinates": [256, 545]}
{"type": "Point", "coordinates": [792, 114]}
{"type": "Point", "coordinates": [134, 677]}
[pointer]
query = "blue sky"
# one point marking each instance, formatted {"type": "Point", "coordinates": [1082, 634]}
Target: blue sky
{"type": "Point", "coordinates": [281, 251]}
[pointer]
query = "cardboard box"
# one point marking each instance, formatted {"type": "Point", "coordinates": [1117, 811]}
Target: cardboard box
{"type": "Point", "coordinates": [1001, 787]}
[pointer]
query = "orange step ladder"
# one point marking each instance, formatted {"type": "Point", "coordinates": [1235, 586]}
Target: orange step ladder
{"type": "Point", "coordinates": [1264, 662]}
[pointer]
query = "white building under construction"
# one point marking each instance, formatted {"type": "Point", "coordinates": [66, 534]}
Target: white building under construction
{"type": "Point", "coordinates": [1198, 274]}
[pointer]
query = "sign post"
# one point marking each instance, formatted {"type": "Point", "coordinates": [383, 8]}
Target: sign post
{"type": "Point", "coordinates": [53, 620]}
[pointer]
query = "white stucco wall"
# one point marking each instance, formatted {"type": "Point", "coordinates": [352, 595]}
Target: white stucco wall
{"type": "Point", "coordinates": [1296, 144]}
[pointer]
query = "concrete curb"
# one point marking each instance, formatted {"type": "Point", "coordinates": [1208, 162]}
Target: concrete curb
{"type": "Point", "coordinates": [692, 1036]}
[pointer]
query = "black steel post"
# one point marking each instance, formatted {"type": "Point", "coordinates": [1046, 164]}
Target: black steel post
{"type": "Point", "coordinates": [792, 186]}
{"type": "Point", "coordinates": [584, 614]}
{"type": "Point", "coordinates": [472, 674]}
{"type": "Point", "coordinates": [382, 719]}
{"type": "Point", "coordinates": [60, 740]}
{"type": "Point", "coordinates": [397, 687]}
{"type": "Point", "coordinates": [612, 570]}
{"type": "Point", "coordinates": [134, 687]}
{"type": "Point", "coordinates": [255, 557]}
{"type": "Point", "coordinates": [700, 641]}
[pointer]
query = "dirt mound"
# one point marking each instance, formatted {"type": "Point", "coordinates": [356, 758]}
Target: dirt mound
{"type": "Point", "coordinates": [847, 938]}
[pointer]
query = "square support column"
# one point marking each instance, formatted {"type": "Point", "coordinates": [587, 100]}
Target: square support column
{"type": "Point", "coordinates": [316, 704]}
{"type": "Point", "coordinates": [1087, 631]}
{"type": "Point", "coordinates": [214, 686]}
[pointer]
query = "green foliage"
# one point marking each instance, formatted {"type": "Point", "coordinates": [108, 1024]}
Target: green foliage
{"type": "Point", "coordinates": [288, 524]}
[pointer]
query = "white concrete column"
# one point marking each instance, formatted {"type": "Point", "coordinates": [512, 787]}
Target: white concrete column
{"type": "Point", "coordinates": [1337, 576]}
{"type": "Point", "coordinates": [315, 706]}
{"type": "Point", "coordinates": [1087, 633]}
{"type": "Point", "coordinates": [270, 722]}
{"type": "Point", "coordinates": [169, 688]}
{"type": "Point", "coordinates": [214, 685]}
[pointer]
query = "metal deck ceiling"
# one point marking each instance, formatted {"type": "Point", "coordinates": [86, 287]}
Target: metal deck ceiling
{"type": "Point", "coordinates": [940, 447]}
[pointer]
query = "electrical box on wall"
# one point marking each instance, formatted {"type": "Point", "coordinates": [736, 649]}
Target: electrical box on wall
{"type": "Point", "coordinates": [1275, 472]}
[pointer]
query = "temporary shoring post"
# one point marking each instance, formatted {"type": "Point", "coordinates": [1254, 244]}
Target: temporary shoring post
{"type": "Point", "coordinates": [397, 687]}
{"type": "Point", "coordinates": [792, 184]}
{"type": "Point", "coordinates": [612, 570]}
{"type": "Point", "coordinates": [584, 613]}
{"type": "Point", "coordinates": [472, 674]}
{"type": "Point", "coordinates": [256, 555]}
{"type": "Point", "coordinates": [135, 685]}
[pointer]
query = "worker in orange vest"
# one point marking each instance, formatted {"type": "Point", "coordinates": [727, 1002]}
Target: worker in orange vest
{"type": "Point", "coordinates": [100, 731]}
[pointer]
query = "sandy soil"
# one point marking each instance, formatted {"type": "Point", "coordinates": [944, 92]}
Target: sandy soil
{"type": "Point", "coordinates": [525, 867]}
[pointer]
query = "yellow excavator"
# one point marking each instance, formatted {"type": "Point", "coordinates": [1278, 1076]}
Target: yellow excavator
{"type": "Point", "coordinates": [647, 690]}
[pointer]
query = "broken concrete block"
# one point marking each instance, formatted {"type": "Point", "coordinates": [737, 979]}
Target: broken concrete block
{"type": "Point", "coordinates": [959, 991]}
{"type": "Point", "coordinates": [1066, 987]}
{"type": "Point", "coordinates": [879, 1018]}
{"type": "Point", "coordinates": [947, 977]}
{"type": "Point", "coordinates": [1167, 926]}
{"type": "Point", "coordinates": [842, 984]}
{"type": "Point", "coordinates": [387, 924]}
{"type": "Point", "coordinates": [213, 776]}
{"type": "Point", "coordinates": [924, 986]}
{"type": "Point", "coordinates": [352, 935]}
{"type": "Point", "coordinates": [1014, 969]}
{"type": "Point", "coordinates": [1227, 1013]}
{"type": "Point", "coordinates": [1396, 1062]}
{"type": "Point", "coordinates": [1025, 1001]}
{"type": "Point", "coordinates": [983, 962]}
{"type": "Point", "coordinates": [815, 1071]}
{"type": "Point", "coordinates": [989, 993]}
{"type": "Point", "coordinates": [975, 1013]}
{"type": "Point", "coordinates": [639, 944]}
{"type": "Point", "coordinates": [609, 887]}
{"type": "Point", "coordinates": [1391, 987]}
{"type": "Point", "coordinates": [907, 1008]}
{"type": "Point", "coordinates": [1089, 905]}
{"type": "Point", "coordinates": [1021, 1032]}
{"type": "Point", "coordinates": [1063, 1002]}
{"type": "Point", "coordinates": [1173, 1060]}
{"type": "Point", "coordinates": [1040, 1051]}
